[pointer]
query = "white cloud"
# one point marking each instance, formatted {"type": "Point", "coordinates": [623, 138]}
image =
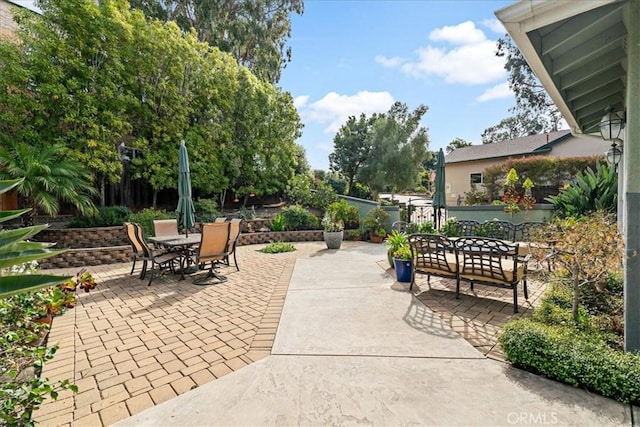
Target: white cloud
{"type": "Point", "coordinates": [334, 109]}
{"type": "Point", "coordinates": [499, 91]}
{"type": "Point", "coordinates": [389, 62]}
{"type": "Point", "coordinates": [469, 64]}
{"type": "Point", "coordinates": [471, 61]}
{"type": "Point", "coordinates": [494, 25]}
{"type": "Point", "coordinates": [300, 101]}
{"type": "Point", "coordinates": [462, 34]}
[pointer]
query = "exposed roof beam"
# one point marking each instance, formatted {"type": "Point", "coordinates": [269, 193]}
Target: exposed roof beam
{"type": "Point", "coordinates": [567, 33]}
{"type": "Point", "coordinates": [591, 68]}
{"type": "Point", "coordinates": [608, 91]}
{"type": "Point", "coordinates": [607, 37]}
{"type": "Point", "coordinates": [601, 80]}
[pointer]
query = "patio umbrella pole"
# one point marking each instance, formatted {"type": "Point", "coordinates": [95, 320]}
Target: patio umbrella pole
{"type": "Point", "coordinates": [185, 209]}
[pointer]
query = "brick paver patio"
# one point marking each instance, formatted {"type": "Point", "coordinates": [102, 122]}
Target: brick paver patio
{"type": "Point", "coordinates": [129, 346]}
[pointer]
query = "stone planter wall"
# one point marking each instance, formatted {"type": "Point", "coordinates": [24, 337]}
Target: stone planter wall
{"type": "Point", "coordinates": [104, 245]}
{"type": "Point", "coordinates": [88, 256]}
{"type": "Point", "coordinates": [78, 238]}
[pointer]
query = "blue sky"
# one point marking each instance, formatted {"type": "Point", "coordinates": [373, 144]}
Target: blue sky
{"type": "Point", "coordinates": [360, 56]}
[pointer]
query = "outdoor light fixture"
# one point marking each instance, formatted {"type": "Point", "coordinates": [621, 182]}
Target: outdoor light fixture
{"type": "Point", "coordinates": [614, 154]}
{"type": "Point", "coordinates": [611, 125]}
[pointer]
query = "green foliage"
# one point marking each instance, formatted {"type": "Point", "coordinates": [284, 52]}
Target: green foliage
{"type": "Point", "coordinates": [398, 145]}
{"type": "Point", "coordinates": [374, 219]}
{"type": "Point", "coordinates": [331, 224]}
{"type": "Point", "coordinates": [323, 196]}
{"type": "Point", "coordinates": [206, 210]}
{"type": "Point", "coordinates": [338, 184]}
{"type": "Point", "coordinates": [361, 191]}
{"type": "Point", "coordinates": [246, 214]}
{"type": "Point", "coordinates": [403, 252]}
{"type": "Point", "coordinates": [396, 239]}
{"type": "Point", "coordinates": [342, 211]}
{"type": "Point", "coordinates": [109, 216]}
{"type": "Point", "coordinates": [576, 358]}
{"type": "Point", "coordinates": [457, 143]}
{"type": "Point", "coordinates": [278, 247]}
{"type": "Point", "coordinates": [549, 173]}
{"type": "Point", "coordinates": [590, 191]}
{"type": "Point", "coordinates": [298, 190]}
{"type": "Point", "coordinates": [49, 175]}
{"type": "Point", "coordinates": [428, 227]}
{"type": "Point", "coordinates": [298, 218]}
{"type": "Point", "coordinates": [451, 228]}
{"type": "Point", "coordinates": [475, 197]}
{"type": "Point", "coordinates": [255, 32]}
{"type": "Point", "coordinates": [354, 234]}
{"type": "Point", "coordinates": [277, 223]}
{"type": "Point", "coordinates": [145, 218]}
{"type": "Point", "coordinates": [16, 250]}
{"type": "Point", "coordinates": [414, 227]}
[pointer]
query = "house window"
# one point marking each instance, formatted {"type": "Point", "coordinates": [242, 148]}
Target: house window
{"type": "Point", "coordinates": [476, 178]}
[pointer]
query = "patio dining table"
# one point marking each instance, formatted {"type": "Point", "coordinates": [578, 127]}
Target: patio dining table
{"type": "Point", "coordinates": [181, 243]}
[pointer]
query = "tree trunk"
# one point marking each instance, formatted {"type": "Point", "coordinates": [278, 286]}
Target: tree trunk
{"type": "Point", "coordinates": [576, 289]}
{"type": "Point", "coordinates": [155, 199]}
{"type": "Point", "coordinates": [102, 195]}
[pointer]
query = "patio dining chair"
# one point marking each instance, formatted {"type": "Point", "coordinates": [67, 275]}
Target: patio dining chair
{"type": "Point", "coordinates": [234, 233]}
{"type": "Point", "coordinates": [213, 249]}
{"type": "Point", "coordinates": [165, 227]}
{"type": "Point", "coordinates": [142, 250]}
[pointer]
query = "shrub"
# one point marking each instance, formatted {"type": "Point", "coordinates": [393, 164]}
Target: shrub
{"type": "Point", "coordinates": [298, 218]}
{"type": "Point", "coordinates": [374, 219]}
{"type": "Point", "coordinates": [278, 247]}
{"type": "Point", "coordinates": [589, 192]}
{"type": "Point", "coordinates": [277, 223]}
{"type": "Point", "coordinates": [451, 228]}
{"type": "Point", "coordinates": [413, 227]}
{"type": "Point", "coordinates": [573, 357]}
{"type": "Point", "coordinates": [323, 196]}
{"type": "Point", "coordinates": [341, 210]}
{"type": "Point", "coordinates": [475, 197]}
{"type": "Point", "coordinates": [206, 210]}
{"type": "Point", "coordinates": [361, 191]}
{"type": "Point", "coordinates": [246, 214]}
{"type": "Point", "coordinates": [427, 227]}
{"type": "Point", "coordinates": [298, 190]}
{"type": "Point", "coordinates": [109, 216]}
{"type": "Point", "coordinates": [146, 217]}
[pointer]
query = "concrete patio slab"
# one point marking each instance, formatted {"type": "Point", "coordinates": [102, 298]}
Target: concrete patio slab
{"type": "Point", "coordinates": [313, 390]}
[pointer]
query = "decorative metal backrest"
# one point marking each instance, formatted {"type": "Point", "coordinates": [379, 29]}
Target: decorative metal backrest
{"type": "Point", "coordinates": [400, 226]}
{"type": "Point", "coordinates": [430, 251]}
{"type": "Point", "coordinates": [467, 227]}
{"type": "Point", "coordinates": [479, 256]}
{"type": "Point", "coordinates": [497, 229]}
{"type": "Point", "coordinates": [526, 230]}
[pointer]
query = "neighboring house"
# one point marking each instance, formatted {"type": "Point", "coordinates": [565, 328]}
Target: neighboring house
{"type": "Point", "coordinates": [464, 166]}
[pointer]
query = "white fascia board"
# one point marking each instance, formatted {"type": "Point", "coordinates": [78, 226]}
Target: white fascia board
{"type": "Point", "coordinates": [528, 15]}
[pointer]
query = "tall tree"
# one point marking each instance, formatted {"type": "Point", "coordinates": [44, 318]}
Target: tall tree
{"type": "Point", "coordinates": [398, 148]}
{"type": "Point", "coordinates": [253, 31]}
{"type": "Point", "coordinates": [351, 148]}
{"type": "Point", "coordinates": [457, 143]}
{"type": "Point", "coordinates": [511, 128]}
{"type": "Point", "coordinates": [534, 111]}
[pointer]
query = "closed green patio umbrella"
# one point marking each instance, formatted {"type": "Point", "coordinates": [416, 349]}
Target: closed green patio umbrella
{"type": "Point", "coordinates": [185, 209]}
{"type": "Point", "coordinates": [439, 200]}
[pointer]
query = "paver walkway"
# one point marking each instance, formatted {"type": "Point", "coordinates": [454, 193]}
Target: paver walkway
{"type": "Point", "coordinates": [130, 347]}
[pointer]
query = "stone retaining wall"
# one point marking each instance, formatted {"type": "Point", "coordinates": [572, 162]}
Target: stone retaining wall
{"type": "Point", "coordinates": [80, 238]}
{"type": "Point", "coordinates": [79, 257]}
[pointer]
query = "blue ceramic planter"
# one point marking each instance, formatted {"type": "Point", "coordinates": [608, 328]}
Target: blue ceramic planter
{"type": "Point", "coordinates": [403, 270]}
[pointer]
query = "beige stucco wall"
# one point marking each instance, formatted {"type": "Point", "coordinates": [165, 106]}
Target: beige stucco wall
{"type": "Point", "coordinates": [458, 177]}
{"type": "Point", "coordinates": [7, 25]}
{"type": "Point", "coordinates": [587, 145]}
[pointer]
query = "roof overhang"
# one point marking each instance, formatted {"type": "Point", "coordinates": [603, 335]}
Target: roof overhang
{"type": "Point", "coordinates": [577, 49]}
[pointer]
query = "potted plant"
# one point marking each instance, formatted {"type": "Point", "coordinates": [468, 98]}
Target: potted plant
{"type": "Point", "coordinates": [395, 241]}
{"type": "Point", "coordinates": [333, 231]}
{"type": "Point", "coordinates": [374, 222]}
{"type": "Point", "coordinates": [354, 235]}
{"type": "Point", "coordinates": [402, 260]}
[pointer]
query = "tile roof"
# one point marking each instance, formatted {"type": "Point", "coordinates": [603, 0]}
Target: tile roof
{"type": "Point", "coordinates": [513, 147]}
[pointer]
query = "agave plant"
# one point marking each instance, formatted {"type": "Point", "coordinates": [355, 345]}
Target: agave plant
{"type": "Point", "coordinates": [591, 191]}
{"type": "Point", "coordinates": [16, 250]}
